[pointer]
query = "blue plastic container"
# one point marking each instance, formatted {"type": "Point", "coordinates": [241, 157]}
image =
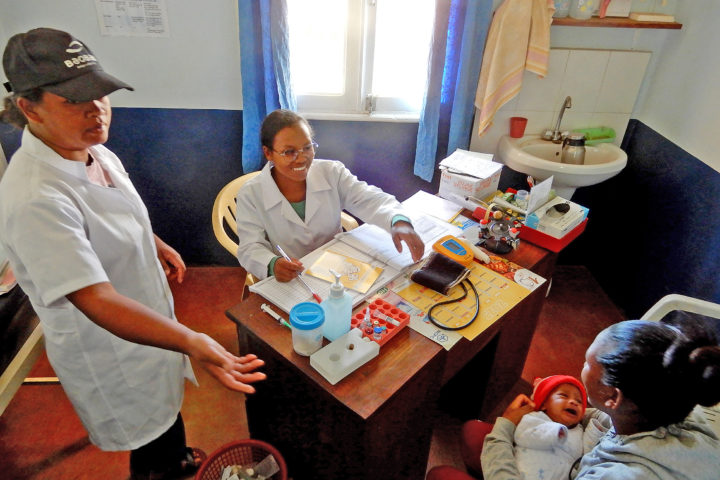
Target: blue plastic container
{"type": "Point", "coordinates": [306, 319]}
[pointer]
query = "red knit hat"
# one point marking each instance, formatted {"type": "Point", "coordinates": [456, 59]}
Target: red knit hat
{"type": "Point", "coordinates": [545, 386]}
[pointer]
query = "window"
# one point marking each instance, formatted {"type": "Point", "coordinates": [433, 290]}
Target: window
{"type": "Point", "coordinates": [360, 56]}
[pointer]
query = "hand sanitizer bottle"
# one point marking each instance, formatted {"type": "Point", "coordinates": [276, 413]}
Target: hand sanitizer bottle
{"type": "Point", "coordinates": [338, 309]}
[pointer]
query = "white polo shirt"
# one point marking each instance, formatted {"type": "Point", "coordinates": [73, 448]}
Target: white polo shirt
{"type": "Point", "coordinates": [62, 233]}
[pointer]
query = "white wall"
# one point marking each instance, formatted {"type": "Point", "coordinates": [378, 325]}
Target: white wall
{"type": "Point", "coordinates": [682, 99]}
{"type": "Point", "coordinates": [197, 66]}
{"type": "Point", "coordinates": [536, 93]}
{"type": "Point", "coordinates": [602, 84]}
{"type": "Point", "coordinates": [678, 97]}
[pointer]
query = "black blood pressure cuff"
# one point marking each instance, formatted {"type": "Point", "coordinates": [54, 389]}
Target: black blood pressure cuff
{"type": "Point", "coordinates": [440, 273]}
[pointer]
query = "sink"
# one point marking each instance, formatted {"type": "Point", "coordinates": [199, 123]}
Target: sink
{"type": "Point", "coordinates": [540, 158]}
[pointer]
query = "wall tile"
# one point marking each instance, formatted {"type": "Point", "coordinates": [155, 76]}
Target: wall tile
{"type": "Point", "coordinates": [510, 106]}
{"type": "Point", "coordinates": [616, 121]}
{"type": "Point", "coordinates": [488, 142]}
{"type": "Point", "coordinates": [603, 85]}
{"type": "Point", "coordinates": [538, 122]}
{"type": "Point", "coordinates": [583, 78]}
{"type": "Point", "coordinates": [624, 75]}
{"type": "Point", "coordinates": [572, 120]}
{"type": "Point", "coordinates": [541, 94]}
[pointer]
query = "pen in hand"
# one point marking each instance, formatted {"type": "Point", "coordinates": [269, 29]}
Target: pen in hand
{"type": "Point", "coordinates": [285, 256]}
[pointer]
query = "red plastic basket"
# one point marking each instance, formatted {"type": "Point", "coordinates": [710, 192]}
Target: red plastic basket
{"type": "Point", "coordinates": [240, 452]}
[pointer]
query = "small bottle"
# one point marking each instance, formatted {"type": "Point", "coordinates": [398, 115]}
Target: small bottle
{"type": "Point", "coordinates": [521, 198]}
{"type": "Point", "coordinates": [367, 326]}
{"type": "Point", "coordinates": [377, 333]}
{"type": "Point", "coordinates": [338, 310]}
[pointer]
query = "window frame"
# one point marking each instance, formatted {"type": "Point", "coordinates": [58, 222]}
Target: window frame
{"type": "Point", "coordinates": [357, 102]}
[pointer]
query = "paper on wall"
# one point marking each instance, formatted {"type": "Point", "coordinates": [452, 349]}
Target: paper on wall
{"type": "Point", "coordinates": [140, 18]}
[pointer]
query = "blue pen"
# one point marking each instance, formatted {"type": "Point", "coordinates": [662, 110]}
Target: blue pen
{"type": "Point", "coordinates": [315, 295]}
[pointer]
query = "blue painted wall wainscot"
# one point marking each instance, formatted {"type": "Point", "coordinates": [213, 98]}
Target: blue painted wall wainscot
{"type": "Point", "coordinates": [654, 229]}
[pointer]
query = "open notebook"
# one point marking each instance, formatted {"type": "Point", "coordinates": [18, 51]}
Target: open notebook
{"type": "Point", "coordinates": [367, 243]}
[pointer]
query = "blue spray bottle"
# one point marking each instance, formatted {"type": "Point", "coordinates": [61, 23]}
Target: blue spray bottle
{"type": "Point", "coordinates": [338, 309]}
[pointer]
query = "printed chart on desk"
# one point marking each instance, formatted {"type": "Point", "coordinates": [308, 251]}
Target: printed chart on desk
{"type": "Point", "coordinates": [498, 293]}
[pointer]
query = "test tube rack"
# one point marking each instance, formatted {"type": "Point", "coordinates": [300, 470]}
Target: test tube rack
{"type": "Point", "coordinates": [387, 315]}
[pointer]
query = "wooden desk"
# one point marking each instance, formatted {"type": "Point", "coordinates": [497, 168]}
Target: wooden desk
{"type": "Point", "coordinates": [378, 421]}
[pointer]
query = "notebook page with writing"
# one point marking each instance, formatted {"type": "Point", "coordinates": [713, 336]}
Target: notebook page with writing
{"type": "Point", "coordinates": [285, 295]}
{"type": "Point", "coordinates": [378, 243]}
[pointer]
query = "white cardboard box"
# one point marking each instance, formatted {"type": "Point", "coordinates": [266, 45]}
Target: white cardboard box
{"type": "Point", "coordinates": [466, 173]}
{"type": "Point", "coordinates": [548, 220]}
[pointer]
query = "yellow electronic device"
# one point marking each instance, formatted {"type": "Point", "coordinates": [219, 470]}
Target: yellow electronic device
{"type": "Point", "coordinates": [454, 248]}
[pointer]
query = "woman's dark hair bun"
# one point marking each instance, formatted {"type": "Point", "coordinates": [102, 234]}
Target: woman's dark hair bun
{"type": "Point", "coordinates": [695, 355]}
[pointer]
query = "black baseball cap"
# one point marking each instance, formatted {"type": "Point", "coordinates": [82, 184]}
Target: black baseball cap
{"type": "Point", "coordinates": [57, 62]}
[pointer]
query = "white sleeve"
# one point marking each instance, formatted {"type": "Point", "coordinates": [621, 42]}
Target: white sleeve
{"type": "Point", "coordinates": [540, 434]}
{"type": "Point", "coordinates": [365, 201]}
{"type": "Point", "coordinates": [49, 239]}
{"type": "Point", "coordinates": [254, 250]}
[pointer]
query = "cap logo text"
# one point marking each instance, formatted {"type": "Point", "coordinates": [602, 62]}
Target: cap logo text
{"type": "Point", "coordinates": [74, 47]}
{"type": "Point", "coordinates": [79, 60]}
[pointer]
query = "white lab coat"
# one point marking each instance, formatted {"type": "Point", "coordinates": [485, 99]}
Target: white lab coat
{"type": "Point", "coordinates": [63, 233]}
{"type": "Point", "coordinates": [265, 218]}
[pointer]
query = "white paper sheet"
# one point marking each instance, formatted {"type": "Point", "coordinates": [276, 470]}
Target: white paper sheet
{"type": "Point", "coordinates": [477, 164]}
{"type": "Point", "coordinates": [132, 18]}
{"type": "Point", "coordinates": [429, 204]}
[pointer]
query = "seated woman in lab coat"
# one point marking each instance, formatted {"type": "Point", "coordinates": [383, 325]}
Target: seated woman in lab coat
{"type": "Point", "coordinates": [296, 202]}
{"type": "Point", "coordinates": [80, 242]}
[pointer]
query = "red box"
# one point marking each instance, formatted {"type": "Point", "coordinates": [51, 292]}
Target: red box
{"type": "Point", "coordinates": [542, 239]}
{"type": "Point", "coordinates": [551, 243]}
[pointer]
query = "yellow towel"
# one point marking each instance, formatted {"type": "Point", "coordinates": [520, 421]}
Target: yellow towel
{"type": "Point", "coordinates": [519, 39]}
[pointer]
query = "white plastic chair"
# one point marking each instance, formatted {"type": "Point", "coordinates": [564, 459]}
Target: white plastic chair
{"type": "Point", "coordinates": [674, 302]}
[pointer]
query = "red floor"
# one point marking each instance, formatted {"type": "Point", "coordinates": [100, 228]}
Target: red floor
{"type": "Point", "coordinates": [41, 437]}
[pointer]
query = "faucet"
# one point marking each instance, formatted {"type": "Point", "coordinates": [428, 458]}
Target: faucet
{"type": "Point", "coordinates": [555, 135]}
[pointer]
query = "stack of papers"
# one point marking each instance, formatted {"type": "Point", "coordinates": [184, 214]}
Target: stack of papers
{"type": "Point", "coordinates": [476, 164]}
{"type": "Point", "coordinates": [368, 244]}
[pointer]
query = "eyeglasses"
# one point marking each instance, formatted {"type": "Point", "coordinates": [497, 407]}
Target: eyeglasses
{"type": "Point", "coordinates": [292, 153]}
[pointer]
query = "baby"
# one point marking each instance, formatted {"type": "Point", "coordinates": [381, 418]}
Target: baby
{"type": "Point", "coordinates": [549, 440]}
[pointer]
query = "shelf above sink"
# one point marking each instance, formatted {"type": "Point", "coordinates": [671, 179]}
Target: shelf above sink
{"type": "Point", "coordinates": [613, 22]}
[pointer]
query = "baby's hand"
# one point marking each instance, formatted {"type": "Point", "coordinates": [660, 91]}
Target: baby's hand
{"type": "Point", "coordinates": [518, 408]}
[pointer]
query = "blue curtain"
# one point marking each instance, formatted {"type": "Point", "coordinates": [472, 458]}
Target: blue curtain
{"type": "Point", "coordinates": [265, 70]}
{"type": "Point", "coordinates": [461, 28]}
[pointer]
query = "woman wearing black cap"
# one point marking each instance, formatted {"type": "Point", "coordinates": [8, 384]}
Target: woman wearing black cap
{"type": "Point", "coordinates": [79, 239]}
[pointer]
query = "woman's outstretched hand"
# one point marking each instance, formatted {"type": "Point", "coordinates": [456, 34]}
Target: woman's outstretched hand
{"type": "Point", "coordinates": [518, 408]}
{"type": "Point", "coordinates": [403, 231]}
{"type": "Point", "coordinates": [236, 373]}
